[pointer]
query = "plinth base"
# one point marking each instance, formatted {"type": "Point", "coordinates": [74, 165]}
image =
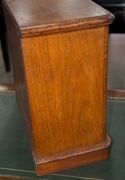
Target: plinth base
{"type": "Point", "coordinates": [75, 159]}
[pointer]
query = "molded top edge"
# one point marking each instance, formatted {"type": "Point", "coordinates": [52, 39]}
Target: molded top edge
{"type": "Point", "coordinates": [34, 17]}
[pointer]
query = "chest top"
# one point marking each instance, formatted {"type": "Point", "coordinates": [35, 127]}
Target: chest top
{"type": "Point", "coordinates": [39, 16]}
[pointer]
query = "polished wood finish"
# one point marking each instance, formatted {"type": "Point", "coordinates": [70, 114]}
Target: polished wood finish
{"type": "Point", "coordinates": [60, 65]}
{"type": "Point", "coordinates": [70, 90]}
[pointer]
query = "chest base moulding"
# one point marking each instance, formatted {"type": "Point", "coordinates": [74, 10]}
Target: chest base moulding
{"type": "Point", "coordinates": [59, 53]}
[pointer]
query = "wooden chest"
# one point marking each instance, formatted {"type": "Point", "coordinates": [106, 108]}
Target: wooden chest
{"type": "Point", "coordinates": [59, 51]}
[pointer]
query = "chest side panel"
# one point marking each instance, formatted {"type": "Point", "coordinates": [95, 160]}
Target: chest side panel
{"type": "Point", "coordinates": [66, 83]}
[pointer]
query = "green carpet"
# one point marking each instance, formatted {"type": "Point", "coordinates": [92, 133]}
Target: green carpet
{"type": "Point", "coordinates": [16, 158]}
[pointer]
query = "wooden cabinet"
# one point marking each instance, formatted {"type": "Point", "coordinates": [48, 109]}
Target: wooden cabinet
{"type": "Point", "coordinates": [59, 51]}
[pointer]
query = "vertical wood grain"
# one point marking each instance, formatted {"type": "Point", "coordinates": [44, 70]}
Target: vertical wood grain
{"type": "Point", "coordinates": [65, 75]}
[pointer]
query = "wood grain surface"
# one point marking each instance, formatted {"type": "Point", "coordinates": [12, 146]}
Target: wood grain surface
{"type": "Point", "coordinates": [66, 90]}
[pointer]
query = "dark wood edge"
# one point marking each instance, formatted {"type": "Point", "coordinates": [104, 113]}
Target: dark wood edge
{"type": "Point", "coordinates": [60, 31]}
{"type": "Point", "coordinates": [7, 88]}
{"type": "Point", "coordinates": [116, 93]}
{"type": "Point", "coordinates": [99, 152]}
{"type": "Point", "coordinates": [67, 26]}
